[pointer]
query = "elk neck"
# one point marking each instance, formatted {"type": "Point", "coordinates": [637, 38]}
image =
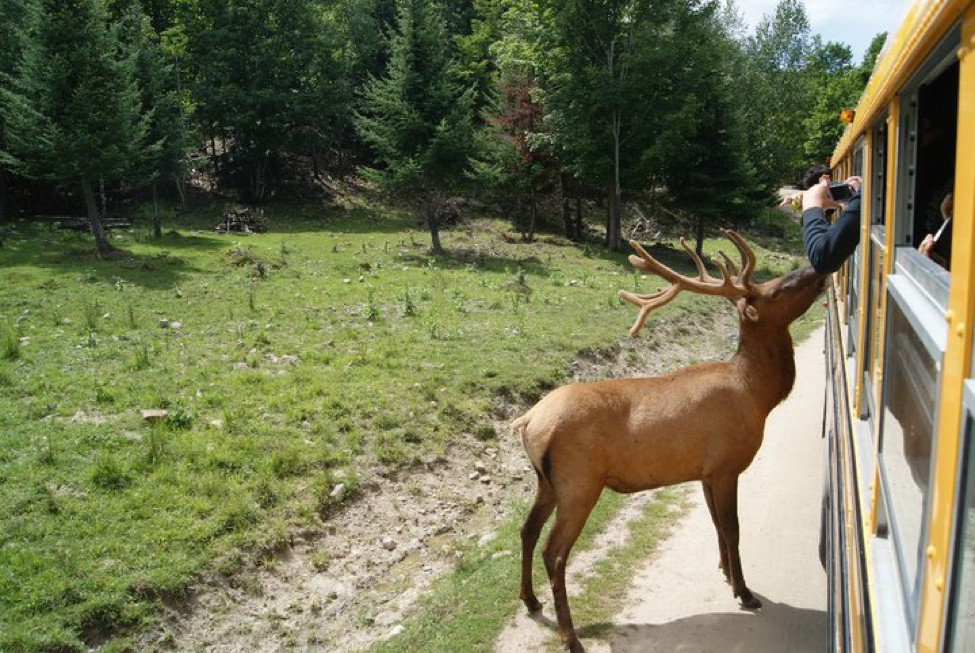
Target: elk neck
{"type": "Point", "coordinates": [765, 362]}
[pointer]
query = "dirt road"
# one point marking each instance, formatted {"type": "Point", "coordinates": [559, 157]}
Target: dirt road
{"type": "Point", "coordinates": [679, 601]}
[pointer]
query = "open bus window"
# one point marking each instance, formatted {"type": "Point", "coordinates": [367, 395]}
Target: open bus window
{"type": "Point", "coordinates": [908, 418]}
{"type": "Point", "coordinates": [937, 130]}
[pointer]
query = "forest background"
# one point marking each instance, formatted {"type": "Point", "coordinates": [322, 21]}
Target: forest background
{"type": "Point", "coordinates": [668, 106]}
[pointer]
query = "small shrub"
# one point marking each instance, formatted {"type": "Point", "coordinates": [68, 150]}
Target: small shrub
{"type": "Point", "coordinates": [92, 315]}
{"type": "Point", "coordinates": [141, 359]}
{"type": "Point", "coordinates": [156, 445]}
{"type": "Point", "coordinates": [108, 473]}
{"type": "Point", "coordinates": [287, 462]}
{"type": "Point", "coordinates": [236, 514]}
{"type": "Point", "coordinates": [409, 308]}
{"type": "Point", "coordinates": [179, 419]}
{"type": "Point", "coordinates": [372, 309]}
{"type": "Point", "coordinates": [104, 395]}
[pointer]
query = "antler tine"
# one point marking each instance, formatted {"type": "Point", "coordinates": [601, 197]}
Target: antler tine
{"type": "Point", "coordinates": [647, 303]}
{"type": "Point", "coordinates": [702, 272]}
{"type": "Point", "coordinates": [747, 257]}
{"type": "Point", "coordinates": [731, 264]}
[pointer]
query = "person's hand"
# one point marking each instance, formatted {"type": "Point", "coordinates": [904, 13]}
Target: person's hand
{"type": "Point", "coordinates": [855, 182]}
{"type": "Point", "coordinates": [817, 196]}
{"type": "Point", "coordinates": [927, 245]}
{"type": "Point", "coordinates": [792, 200]}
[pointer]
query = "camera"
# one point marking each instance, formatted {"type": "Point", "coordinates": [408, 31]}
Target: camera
{"type": "Point", "coordinates": [840, 191]}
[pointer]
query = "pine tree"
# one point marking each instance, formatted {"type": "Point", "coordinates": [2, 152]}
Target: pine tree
{"type": "Point", "coordinates": [266, 79]}
{"type": "Point", "coordinates": [165, 155]}
{"type": "Point", "coordinates": [82, 122]}
{"type": "Point", "coordinates": [18, 18]}
{"type": "Point", "coordinates": [417, 119]}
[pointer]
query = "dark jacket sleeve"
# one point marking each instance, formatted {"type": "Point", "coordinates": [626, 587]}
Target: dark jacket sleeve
{"type": "Point", "coordinates": [828, 245]}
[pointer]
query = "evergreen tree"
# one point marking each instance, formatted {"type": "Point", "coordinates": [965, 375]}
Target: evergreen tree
{"type": "Point", "coordinates": [266, 79]}
{"type": "Point", "coordinates": [708, 175]}
{"type": "Point", "coordinates": [417, 119]}
{"type": "Point", "coordinates": [166, 155]}
{"type": "Point", "coordinates": [83, 123]}
{"type": "Point", "coordinates": [18, 18]}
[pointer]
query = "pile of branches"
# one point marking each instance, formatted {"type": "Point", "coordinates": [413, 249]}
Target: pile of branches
{"type": "Point", "coordinates": [242, 219]}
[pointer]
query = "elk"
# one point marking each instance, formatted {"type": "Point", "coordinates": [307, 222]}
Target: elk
{"type": "Point", "coordinates": [701, 423]}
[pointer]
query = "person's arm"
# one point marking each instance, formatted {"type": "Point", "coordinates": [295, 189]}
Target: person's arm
{"type": "Point", "coordinates": [829, 245]}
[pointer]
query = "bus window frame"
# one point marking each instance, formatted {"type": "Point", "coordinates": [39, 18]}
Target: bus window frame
{"type": "Point", "coordinates": [964, 492]}
{"type": "Point", "coordinates": [921, 313]}
{"type": "Point", "coordinates": [854, 165]}
{"type": "Point", "coordinates": [940, 58]}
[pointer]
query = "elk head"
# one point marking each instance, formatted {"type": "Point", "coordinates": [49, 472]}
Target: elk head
{"type": "Point", "coordinates": [775, 303]}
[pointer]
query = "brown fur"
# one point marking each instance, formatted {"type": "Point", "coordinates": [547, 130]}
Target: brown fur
{"type": "Point", "coordinates": [704, 422]}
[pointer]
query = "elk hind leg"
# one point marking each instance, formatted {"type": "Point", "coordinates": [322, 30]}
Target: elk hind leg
{"type": "Point", "coordinates": [540, 511]}
{"type": "Point", "coordinates": [573, 511]}
{"type": "Point", "coordinates": [722, 545]}
{"type": "Point", "coordinates": [725, 493]}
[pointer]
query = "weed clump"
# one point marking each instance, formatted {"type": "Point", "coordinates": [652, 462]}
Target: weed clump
{"type": "Point", "coordinates": [108, 473]}
{"type": "Point", "coordinates": [9, 344]}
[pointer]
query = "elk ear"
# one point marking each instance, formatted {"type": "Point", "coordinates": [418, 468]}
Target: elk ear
{"type": "Point", "coordinates": [747, 310]}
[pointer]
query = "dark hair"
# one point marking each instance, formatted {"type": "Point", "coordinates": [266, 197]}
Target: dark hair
{"type": "Point", "coordinates": [813, 175]}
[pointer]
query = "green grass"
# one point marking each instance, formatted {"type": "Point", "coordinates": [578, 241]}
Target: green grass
{"type": "Point", "coordinates": [331, 343]}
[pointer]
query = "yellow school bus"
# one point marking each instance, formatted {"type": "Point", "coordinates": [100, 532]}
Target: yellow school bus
{"type": "Point", "coordinates": [899, 514]}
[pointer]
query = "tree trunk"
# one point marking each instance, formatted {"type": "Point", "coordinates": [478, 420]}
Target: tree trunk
{"type": "Point", "coordinates": [532, 213]}
{"type": "Point", "coordinates": [97, 229]}
{"type": "Point", "coordinates": [579, 230]}
{"type": "Point", "coordinates": [699, 248]}
{"type": "Point", "coordinates": [3, 195]}
{"type": "Point", "coordinates": [181, 191]}
{"type": "Point", "coordinates": [433, 222]}
{"type": "Point", "coordinates": [615, 242]}
{"type": "Point", "coordinates": [566, 209]}
{"type": "Point", "coordinates": [314, 165]}
{"type": "Point", "coordinates": [103, 196]}
{"type": "Point", "coordinates": [156, 220]}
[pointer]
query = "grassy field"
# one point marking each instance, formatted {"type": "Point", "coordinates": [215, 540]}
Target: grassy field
{"type": "Point", "coordinates": [330, 348]}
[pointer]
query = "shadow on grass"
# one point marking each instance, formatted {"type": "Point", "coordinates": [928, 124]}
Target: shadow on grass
{"type": "Point", "coordinates": [76, 256]}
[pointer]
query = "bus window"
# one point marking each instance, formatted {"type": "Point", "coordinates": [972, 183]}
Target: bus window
{"type": "Point", "coordinates": [873, 317]}
{"type": "Point", "coordinates": [937, 132]}
{"type": "Point", "coordinates": [928, 131]}
{"type": "Point", "coordinates": [961, 636]}
{"type": "Point", "coordinates": [909, 394]}
{"type": "Point", "coordinates": [877, 184]}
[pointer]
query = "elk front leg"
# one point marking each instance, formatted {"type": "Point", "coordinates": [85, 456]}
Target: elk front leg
{"type": "Point", "coordinates": [540, 512]}
{"type": "Point", "coordinates": [725, 494]}
{"type": "Point", "coordinates": [571, 518]}
{"type": "Point", "coordinates": [722, 545]}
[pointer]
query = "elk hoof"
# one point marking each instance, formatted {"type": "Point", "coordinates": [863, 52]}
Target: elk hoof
{"type": "Point", "coordinates": [749, 602]}
{"type": "Point", "coordinates": [575, 646]}
{"type": "Point", "coordinates": [533, 604]}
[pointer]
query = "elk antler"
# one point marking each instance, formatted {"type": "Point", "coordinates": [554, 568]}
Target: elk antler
{"type": "Point", "coordinates": [704, 284]}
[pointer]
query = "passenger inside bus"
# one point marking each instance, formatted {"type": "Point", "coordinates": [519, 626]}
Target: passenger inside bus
{"type": "Point", "coordinates": [937, 246]}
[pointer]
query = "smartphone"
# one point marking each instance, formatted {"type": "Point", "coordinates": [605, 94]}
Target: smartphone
{"type": "Point", "coordinates": [840, 191]}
